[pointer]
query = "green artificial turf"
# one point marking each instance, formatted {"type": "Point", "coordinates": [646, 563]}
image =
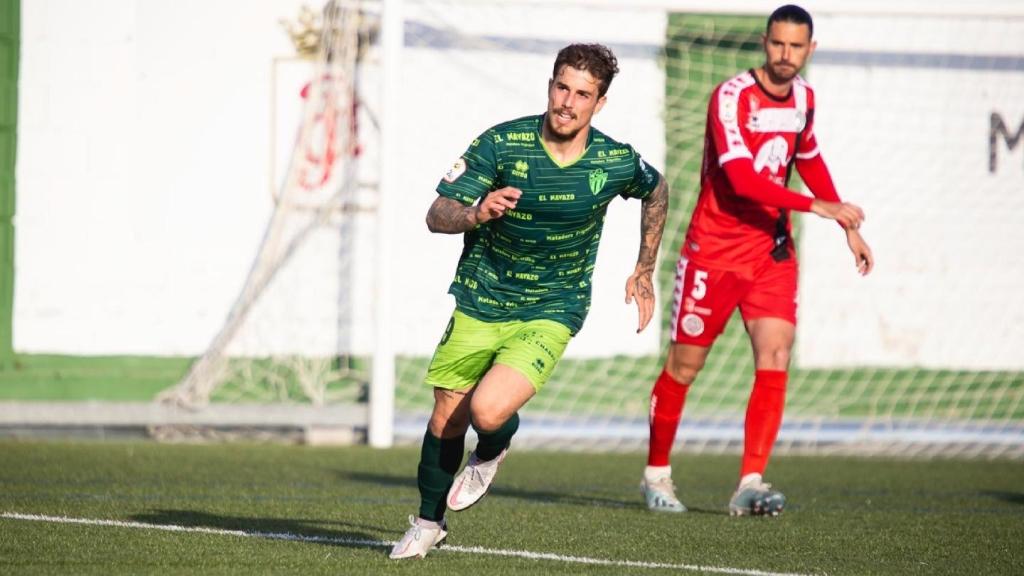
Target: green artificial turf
{"type": "Point", "coordinates": [846, 516]}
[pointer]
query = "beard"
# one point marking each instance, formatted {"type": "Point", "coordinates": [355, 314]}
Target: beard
{"type": "Point", "coordinates": [554, 128]}
{"type": "Point", "coordinates": [781, 71]}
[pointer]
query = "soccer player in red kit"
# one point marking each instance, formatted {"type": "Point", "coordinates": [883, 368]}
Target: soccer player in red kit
{"type": "Point", "coordinates": [739, 252]}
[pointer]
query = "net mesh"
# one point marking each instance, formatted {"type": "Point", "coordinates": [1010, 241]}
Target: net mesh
{"type": "Point", "coordinates": [284, 337]}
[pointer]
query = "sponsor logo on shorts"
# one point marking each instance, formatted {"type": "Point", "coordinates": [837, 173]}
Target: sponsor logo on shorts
{"type": "Point", "coordinates": [693, 325]}
{"type": "Point", "coordinates": [539, 365]}
{"type": "Point", "coordinates": [690, 305]}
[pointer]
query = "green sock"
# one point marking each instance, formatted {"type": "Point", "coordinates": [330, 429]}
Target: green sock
{"type": "Point", "coordinates": [440, 459]}
{"type": "Point", "coordinates": [492, 443]}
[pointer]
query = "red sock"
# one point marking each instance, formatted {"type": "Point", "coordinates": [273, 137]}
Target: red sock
{"type": "Point", "coordinates": [667, 400]}
{"type": "Point", "coordinates": [764, 416]}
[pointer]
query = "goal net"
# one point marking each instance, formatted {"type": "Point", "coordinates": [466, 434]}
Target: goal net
{"type": "Point", "coordinates": [922, 357]}
{"type": "Point", "coordinates": [286, 338]}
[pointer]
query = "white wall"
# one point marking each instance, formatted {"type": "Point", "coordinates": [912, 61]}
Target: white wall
{"type": "Point", "coordinates": [910, 144]}
{"type": "Point", "coordinates": [142, 181]}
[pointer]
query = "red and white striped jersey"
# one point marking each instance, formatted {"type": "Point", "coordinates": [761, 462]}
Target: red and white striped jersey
{"type": "Point", "coordinates": [727, 230]}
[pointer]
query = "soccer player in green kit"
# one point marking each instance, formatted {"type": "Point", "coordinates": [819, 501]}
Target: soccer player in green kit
{"type": "Point", "coordinates": [530, 197]}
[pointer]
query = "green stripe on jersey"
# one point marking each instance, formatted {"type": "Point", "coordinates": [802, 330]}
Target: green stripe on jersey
{"type": "Point", "coordinates": [537, 260]}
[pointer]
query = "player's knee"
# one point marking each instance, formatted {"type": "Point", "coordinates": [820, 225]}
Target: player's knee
{"type": "Point", "coordinates": [487, 422]}
{"type": "Point", "coordinates": [683, 370]}
{"type": "Point", "coordinates": [773, 359]}
{"type": "Point", "coordinates": [448, 425]}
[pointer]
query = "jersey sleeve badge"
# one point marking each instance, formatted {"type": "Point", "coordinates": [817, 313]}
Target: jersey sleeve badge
{"type": "Point", "coordinates": [457, 169]}
{"type": "Point", "coordinates": [727, 110]}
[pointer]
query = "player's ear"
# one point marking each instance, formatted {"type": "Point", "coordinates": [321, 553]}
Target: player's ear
{"type": "Point", "coordinates": [600, 103]}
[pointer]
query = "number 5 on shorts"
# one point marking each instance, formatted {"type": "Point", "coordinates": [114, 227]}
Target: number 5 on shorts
{"type": "Point", "coordinates": [700, 287]}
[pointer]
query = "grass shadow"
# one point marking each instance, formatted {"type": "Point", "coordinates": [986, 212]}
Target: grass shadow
{"type": "Point", "coordinates": [1009, 497]}
{"type": "Point", "coordinates": [533, 496]}
{"type": "Point", "coordinates": [348, 534]}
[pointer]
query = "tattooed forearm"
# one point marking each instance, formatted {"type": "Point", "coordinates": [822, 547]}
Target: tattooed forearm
{"type": "Point", "coordinates": [652, 225]}
{"type": "Point", "coordinates": [449, 216]}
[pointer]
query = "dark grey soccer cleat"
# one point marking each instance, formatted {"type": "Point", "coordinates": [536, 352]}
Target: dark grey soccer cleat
{"type": "Point", "coordinates": [756, 498]}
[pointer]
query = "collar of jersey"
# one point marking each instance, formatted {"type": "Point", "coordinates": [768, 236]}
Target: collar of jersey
{"type": "Point", "coordinates": [544, 146]}
{"type": "Point", "coordinates": [765, 91]}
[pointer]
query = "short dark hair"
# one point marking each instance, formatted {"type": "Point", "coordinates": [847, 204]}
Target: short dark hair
{"type": "Point", "coordinates": [791, 13]}
{"type": "Point", "coordinates": [596, 58]}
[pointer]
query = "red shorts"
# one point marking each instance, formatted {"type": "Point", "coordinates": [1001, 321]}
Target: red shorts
{"type": "Point", "coordinates": [705, 298]}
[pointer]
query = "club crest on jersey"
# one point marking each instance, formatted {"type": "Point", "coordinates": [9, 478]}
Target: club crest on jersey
{"type": "Point", "coordinates": [598, 178]}
{"type": "Point", "coordinates": [458, 169]}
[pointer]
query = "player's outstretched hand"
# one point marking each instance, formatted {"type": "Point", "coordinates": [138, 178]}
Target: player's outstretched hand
{"type": "Point", "coordinates": [496, 203]}
{"type": "Point", "coordinates": [640, 287]}
{"type": "Point", "coordinates": [849, 216]}
{"type": "Point", "coordinates": [861, 252]}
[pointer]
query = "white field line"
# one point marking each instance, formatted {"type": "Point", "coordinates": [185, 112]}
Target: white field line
{"type": "Point", "coordinates": [385, 544]}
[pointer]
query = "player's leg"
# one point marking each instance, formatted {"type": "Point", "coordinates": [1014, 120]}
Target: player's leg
{"type": "Point", "coordinates": [496, 419]}
{"type": "Point", "coordinates": [668, 398]}
{"type": "Point", "coordinates": [769, 315]}
{"type": "Point", "coordinates": [443, 447]}
{"type": "Point", "coordinates": [495, 410]}
{"type": "Point", "coordinates": [704, 300]}
{"type": "Point", "coordinates": [772, 340]}
{"type": "Point", "coordinates": [527, 357]}
{"type": "Point", "coordinates": [440, 457]}
{"type": "Point", "coordinates": [461, 358]}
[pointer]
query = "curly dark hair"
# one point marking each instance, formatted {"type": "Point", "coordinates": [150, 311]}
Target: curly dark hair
{"type": "Point", "coordinates": [596, 58]}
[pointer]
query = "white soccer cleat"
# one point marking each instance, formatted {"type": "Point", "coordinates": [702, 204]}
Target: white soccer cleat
{"type": "Point", "coordinates": [660, 495]}
{"type": "Point", "coordinates": [419, 538]}
{"type": "Point", "coordinates": [756, 498]}
{"type": "Point", "coordinates": [472, 483]}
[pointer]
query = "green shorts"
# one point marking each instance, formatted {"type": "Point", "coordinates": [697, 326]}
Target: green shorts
{"type": "Point", "coordinates": [470, 347]}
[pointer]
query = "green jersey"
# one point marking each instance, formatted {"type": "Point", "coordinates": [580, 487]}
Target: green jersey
{"type": "Point", "coordinates": [537, 260]}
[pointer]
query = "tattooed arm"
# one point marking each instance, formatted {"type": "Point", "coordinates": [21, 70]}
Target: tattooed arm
{"type": "Point", "coordinates": [640, 285]}
{"type": "Point", "coordinates": [447, 216]}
